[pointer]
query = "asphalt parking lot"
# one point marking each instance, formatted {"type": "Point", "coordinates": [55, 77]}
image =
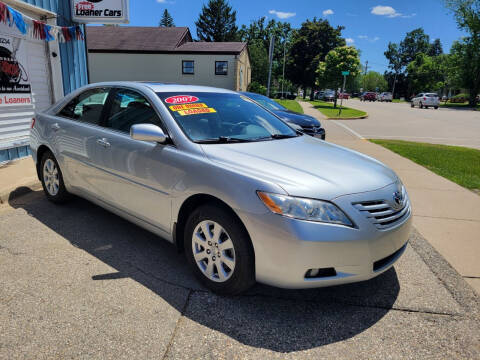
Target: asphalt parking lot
{"type": "Point", "coordinates": [79, 282]}
{"type": "Point", "coordinates": [400, 121]}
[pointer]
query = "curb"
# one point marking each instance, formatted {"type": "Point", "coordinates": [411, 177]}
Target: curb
{"type": "Point", "coordinates": [350, 118]}
{"type": "Point", "coordinates": [17, 191]}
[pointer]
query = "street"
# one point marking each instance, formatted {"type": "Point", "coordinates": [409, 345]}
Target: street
{"type": "Point", "coordinates": [400, 121]}
{"type": "Point", "coordinates": [78, 281]}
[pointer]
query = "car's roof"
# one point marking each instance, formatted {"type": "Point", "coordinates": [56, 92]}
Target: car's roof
{"type": "Point", "coordinates": [165, 87]}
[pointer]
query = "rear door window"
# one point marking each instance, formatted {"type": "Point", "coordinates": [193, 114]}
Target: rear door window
{"type": "Point", "coordinates": [86, 107]}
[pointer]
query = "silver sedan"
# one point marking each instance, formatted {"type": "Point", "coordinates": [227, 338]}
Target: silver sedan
{"type": "Point", "coordinates": [245, 196]}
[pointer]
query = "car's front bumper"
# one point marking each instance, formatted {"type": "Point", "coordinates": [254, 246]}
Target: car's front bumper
{"type": "Point", "coordinates": [285, 249]}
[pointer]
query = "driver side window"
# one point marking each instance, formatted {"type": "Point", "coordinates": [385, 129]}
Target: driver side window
{"type": "Point", "coordinates": [130, 108]}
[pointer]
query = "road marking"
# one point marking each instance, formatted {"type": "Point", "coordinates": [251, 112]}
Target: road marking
{"type": "Point", "coordinates": [348, 129]}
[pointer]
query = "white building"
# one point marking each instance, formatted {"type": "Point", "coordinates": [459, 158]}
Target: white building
{"type": "Point", "coordinates": [165, 55]}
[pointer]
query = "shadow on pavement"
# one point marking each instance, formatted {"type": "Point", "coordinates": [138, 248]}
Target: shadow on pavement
{"type": "Point", "coordinates": [265, 317]}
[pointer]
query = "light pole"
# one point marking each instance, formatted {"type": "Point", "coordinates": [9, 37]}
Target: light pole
{"type": "Point", "coordinates": [270, 58]}
{"type": "Point", "coordinates": [284, 54]}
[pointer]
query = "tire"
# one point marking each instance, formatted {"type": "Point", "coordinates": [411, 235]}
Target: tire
{"type": "Point", "coordinates": [421, 105]}
{"type": "Point", "coordinates": [412, 104]}
{"type": "Point", "coordinates": [52, 179]}
{"type": "Point", "coordinates": [435, 107]}
{"type": "Point", "coordinates": [238, 249]}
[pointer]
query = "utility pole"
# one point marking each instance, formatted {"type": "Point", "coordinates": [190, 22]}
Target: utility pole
{"type": "Point", "coordinates": [284, 52]}
{"type": "Point", "coordinates": [270, 58]}
{"type": "Point", "coordinates": [394, 83]}
{"type": "Point", "coordinates": [365, 73]}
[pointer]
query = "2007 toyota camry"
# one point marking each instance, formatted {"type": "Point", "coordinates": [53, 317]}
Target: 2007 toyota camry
{"type": "Point", "coordinates": [245, 196]}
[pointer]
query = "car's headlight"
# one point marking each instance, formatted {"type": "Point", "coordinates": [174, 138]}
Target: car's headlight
{"type": "Point", "coordinates": [304, 209]}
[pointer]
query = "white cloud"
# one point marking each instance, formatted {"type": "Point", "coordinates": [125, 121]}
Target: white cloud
{"type": "Point", "coordinates": [349, 41]}
{"type": "Point", "coordinates": [327, 12]}
{"type": "Point", "coordinates": [389, 11]}
{"type": "Point", "coordinates": [365, 37]}
{"type": "Point", "coordinates": [162, 1]}
{"type": "Point", "coordinates": [281, 14]}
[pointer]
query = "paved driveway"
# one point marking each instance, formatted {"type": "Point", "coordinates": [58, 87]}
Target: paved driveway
{"type": "Point", "coordinates": [400, 121]}
{"type": "Point", "coordinates": [79, 282]}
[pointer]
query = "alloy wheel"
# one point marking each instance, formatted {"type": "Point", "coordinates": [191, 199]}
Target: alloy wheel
{"type": "Point", "coordinates": [50, 177]}
{"type": "Point", "coordinates": [213, 251]}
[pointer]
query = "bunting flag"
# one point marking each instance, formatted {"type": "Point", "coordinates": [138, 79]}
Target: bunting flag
{"type": "Point", "coordinates": [38, 29]}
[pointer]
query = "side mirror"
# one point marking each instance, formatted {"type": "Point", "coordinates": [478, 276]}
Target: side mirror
{"type": "Point", "coordinates": [148, 132]}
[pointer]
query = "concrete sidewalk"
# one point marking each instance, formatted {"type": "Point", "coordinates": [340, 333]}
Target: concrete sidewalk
{"type": "Point", "coordinates": [446, 214]}
{"type": "Point", "coordinates": [17, 177]}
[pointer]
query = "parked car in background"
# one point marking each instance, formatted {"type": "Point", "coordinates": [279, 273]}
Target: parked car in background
{"type": "Point", "coordinates": [385, 96]}
{"type": "Point", "coordinates": [308, 124]}
{"type": "Point", "coordinates": [425, 100]}
{"type": "Point", "coordinates": [242, 194]}
{"type": "Point", "coordinates": [319, 95]}
{"type": "Point", "coordinates": [345, 96]}
{"type": "Point", "coordinates": [328, 96]}
{"type": "Point", "coordinates": [368, 96]}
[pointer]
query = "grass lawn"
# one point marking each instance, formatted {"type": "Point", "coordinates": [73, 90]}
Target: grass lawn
{"type": "Point", "coordinates": [399, 101]}
{"type": "Point", "coordinates": [326, 108]}
{"type": "Point", "coordinates": [290, 105]}
{"type": "Point", "coordinates": [458, 105]}
{"type": "Point", "coordinates": [456, 163]}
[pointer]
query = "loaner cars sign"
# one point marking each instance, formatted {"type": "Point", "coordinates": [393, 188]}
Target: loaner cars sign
{"type": "Point", "coordinates": [14, 81]}
{"type": "Point", "coordinates": [100, 11]}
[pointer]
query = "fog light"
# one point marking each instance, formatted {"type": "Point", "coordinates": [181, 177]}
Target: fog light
{"type": "Point", "coordinates": [320, 273]}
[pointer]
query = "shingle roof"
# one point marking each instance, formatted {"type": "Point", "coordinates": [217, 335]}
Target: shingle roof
{"type": "Point", "coordinates": [131, 38]}
{"type": "Point", "coordinates": [153, 39]}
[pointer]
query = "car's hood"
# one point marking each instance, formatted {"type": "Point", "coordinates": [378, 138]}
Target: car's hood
{"type": "Point", "coordinates": [304, 166]}
{"type": "Point", "coordinates": [296, 118]}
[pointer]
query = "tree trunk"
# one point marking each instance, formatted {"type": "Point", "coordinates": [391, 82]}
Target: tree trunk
{"type": "Point", "coordinates": [472, 100]}
{"type": "Point", "coordinates": [304, 92]}
{"type": "Point", "coordinates": [311, 93]}
{"type": "Point", "coordinates": [335, 99]}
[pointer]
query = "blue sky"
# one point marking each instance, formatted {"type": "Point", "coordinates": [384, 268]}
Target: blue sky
{"type": "Point", "coordinates": [369, 24]}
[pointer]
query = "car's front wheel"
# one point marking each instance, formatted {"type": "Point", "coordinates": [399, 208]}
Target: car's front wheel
{"type": "Point", "coordinates": [52, 179]}
{"type": "Point", "coordinates": [219, 250]}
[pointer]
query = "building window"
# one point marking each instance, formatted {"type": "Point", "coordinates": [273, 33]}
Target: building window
{"type": "Point", "coordinates": [188, 67]}
{"type": "Point", "coordinates": [221, 67]}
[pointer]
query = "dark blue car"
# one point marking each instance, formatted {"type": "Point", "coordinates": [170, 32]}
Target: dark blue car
{"type": "Point", "coordinates": [309, 125]}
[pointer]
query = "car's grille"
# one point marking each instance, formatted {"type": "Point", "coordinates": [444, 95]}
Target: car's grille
{"type": "Point", "coordinates": [382, 214]}
{"type": "Point", "coordinates": [311, 129]}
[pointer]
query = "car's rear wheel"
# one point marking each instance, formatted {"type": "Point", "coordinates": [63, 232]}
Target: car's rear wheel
{"type": "Point", "coordinates": [412, 104]}
{"type": "Point", "coordinates": [421, 105]}
{"type": "Point", "coordinates": [219, 250]}
{"type": "Point", "coordinates": [435, 107]}
{"type": "Point", "coordinates": [52, 179]}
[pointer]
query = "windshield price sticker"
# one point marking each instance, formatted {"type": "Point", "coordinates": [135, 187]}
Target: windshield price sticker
{"type": "Point", "coordinates": [181, 99]}
{"type": "Point", "coordinates": [187, 106]}
{"type": "Point", "coordinates": [196, 111]}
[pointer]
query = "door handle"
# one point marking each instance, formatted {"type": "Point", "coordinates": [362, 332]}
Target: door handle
{"type": "Point", "coordinates": [104, 142]}
{"type": "Point", "coordinates": [55, 127]}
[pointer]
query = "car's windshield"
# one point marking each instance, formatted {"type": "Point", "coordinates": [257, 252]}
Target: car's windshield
{"type": "Point", "coordinates": [223, 117]}
{"type": "Point", "coordinates": [266, 102]}
{"type": "Point", "coordinates": [431, 95]}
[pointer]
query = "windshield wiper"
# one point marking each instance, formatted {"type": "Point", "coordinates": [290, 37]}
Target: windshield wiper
{"type": "Point", "coordinates": [277, 136]}
{"type": "Point", "coordinates": [222, 140]}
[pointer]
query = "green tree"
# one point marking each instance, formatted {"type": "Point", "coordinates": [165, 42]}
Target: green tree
{"type": "Point", "coordinates": [374, 81]}
{"type": "Point", "coordinates": [415, 42]}
{"type": "Point", "coordinates": [426, 73]}
{"type": "Point", "coordinates": [329, 72]}
{"type": "Point", "coordinates": [310, 44]}
{"type": "Point", "coordinates": [466, 53]}
{"type": "Point", "coordinates": [217, 22]}
{"type": "Point", "coordinates": [258, 61]}
{"type": "Point", "coordinates": [435, 48]}
{"type": "Point", "coordinates": [258, 35]}
{"type": "Point", "coordinates": [166, 20]}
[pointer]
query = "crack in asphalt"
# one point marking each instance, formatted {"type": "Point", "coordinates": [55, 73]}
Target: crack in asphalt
{"type": "Point", "coordinates": [10, 251]}
{"type": "Point", "coordinates": [177, 325]}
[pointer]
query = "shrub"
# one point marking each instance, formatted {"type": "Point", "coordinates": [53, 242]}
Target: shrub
{"type": "Point", "coordinates": [258, 88]}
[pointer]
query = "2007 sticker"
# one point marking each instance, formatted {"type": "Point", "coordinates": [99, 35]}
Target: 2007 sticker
{"type": "Point", "coordinates": [196, 111]}
{"type": "Point", "coordinates": [181, 99]}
